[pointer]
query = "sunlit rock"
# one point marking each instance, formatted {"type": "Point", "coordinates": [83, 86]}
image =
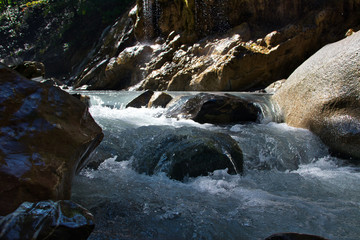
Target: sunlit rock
{"type": "Point", "coordinates": [160, 99]}
{"type": "Point", "coordinates": [217, 46]}
{"type": "Point", "coordinates": [323, 95]}
{"type": "Point", "coordinates": [47, 220]}
{"type": "Point", "coordinates": [46, 136]}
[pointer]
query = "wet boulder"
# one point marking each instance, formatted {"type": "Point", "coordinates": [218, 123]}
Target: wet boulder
{"type": "Point", "coordinates": [177, 152]}
{"type": "Point", "coordinates": [160, 99]}
{"type": "Point", "coordinates": [47, 220]}
{"type": "Point", "coordinates": [142, 100]}
{"type": "Point", "coordinates": [46, 136]}
{"type": "Point", "coordinates": [216, 109]}
{"type": "Point", "coordinates": [293, 236]}
{"type": "Point", "coordinates": [323, 95]}
{"type": "Point", "coordinates": [182, 152]}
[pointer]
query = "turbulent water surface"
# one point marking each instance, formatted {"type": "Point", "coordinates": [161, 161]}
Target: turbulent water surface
{"type": "Point", "coordinates": [290, 184]}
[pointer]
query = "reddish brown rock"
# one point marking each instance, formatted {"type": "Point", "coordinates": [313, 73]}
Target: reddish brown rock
{"type": "Point", "coordinates": [46, 136]}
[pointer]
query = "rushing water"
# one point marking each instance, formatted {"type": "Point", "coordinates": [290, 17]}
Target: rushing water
{"type": "Point", "coordinates": [290, 184]}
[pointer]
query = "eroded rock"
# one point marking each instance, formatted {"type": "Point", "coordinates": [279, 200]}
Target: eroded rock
{"type": "Point", "coordinates": [46, 136]}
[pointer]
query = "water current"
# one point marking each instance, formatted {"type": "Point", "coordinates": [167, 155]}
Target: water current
{"type": "Point", "coordinates": [290, 184]}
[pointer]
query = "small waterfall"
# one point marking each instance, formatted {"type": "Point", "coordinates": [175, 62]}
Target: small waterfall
{"type": "Point", "coordinates": [151, 13]}
{"type": "Point", "coordinates": [147, 13]}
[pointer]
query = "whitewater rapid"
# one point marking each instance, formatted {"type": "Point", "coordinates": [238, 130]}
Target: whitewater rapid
{"type": "Point", "coordinates": [290, 184]}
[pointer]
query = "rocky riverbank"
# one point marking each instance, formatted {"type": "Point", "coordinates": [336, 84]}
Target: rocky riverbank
{"type": "Point", "coordinates": [228, 46]}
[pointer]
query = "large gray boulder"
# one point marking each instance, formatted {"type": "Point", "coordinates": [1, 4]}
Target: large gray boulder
{"type": "Point", "coordinates": [323, 95]}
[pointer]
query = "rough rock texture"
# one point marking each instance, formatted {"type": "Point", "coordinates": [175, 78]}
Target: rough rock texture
{"type": "Point", "coordinates": [58, 33]}
{"type": "Point", "coordinates": [293, 236]}
{"type": "Point", "coordinates": [323, 95]}
{"type": "Point", "coordinates": [209, 45]}
{"type": "Point", "coordinates": [217, 109]}
{"type": "Point", "coordinates": [47, 220]}
{"type": "Point", "coordinates": [46, 136]}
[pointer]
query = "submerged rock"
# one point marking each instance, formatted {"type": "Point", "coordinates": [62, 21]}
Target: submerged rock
{"type": "Point", "coordinates": [47, 220]}
{"type": "Point", "coordinates": [293, 236]}
{"type": "Point", "coordinates": [46, 136]}
{"type": "Point", "coordinates": [179, 153]}
{"type": "Point", "coordinates": [323, 95]}
{"type": "Point", "coordinates": [217, 109]}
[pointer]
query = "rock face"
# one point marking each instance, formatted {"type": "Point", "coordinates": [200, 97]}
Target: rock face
{"type": "Point", "coordinates": [47, 220]}
{"type": "Point", "coordinates": [46, 136]}
{"type": "Point", "coordinates": [323, 95]}
{"type": "Point", "coordinates": [59, 34]}
{"type": "Point", "coordinates": [217, 109]}
{"type": "Point", "coordinates": [211, 46]}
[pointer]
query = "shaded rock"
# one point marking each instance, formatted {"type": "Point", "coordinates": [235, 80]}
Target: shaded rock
{"type": "Point", "coordinates": [323, 95]}
{"type": "Point", "coordinates": [185, 152]}
{"type": "Point", "coordinates": [46, 136]}
{"type": "Point", "coordinates": [217, 109]}
{"type": "Point", "coordinates": [83, 98]}
{"type": "Point", "coordinates": [114, 40]}
{"type": "Point", "coordinates": [30, 69]}
{"type": "Point", "coordinates": [142, 100]}
{"type": "Point", "coordinates": [52, 82]}
{"type": "Point", "coordinates": [177, 152]}
{"type": "Point", "coordinates": [293, 236]}
{"type": "Point", "coordinates": [47, 220]}
{"type": "Point", "coordinates": [160, 100]}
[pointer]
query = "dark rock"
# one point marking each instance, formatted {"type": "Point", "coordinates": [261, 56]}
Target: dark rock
{"type": "Point", "coordinates": [142, 100]}
{"type": "Point", "coordinates": [185, 152]}
{"type": "Point", "coordinates": [30, 69]}
{"type": "Point", "coordinates": [217, 109]}
{"type": "Point", "coordinates": [47, 220]}
{"type": "Point", "coordinates": [46, 136]}
{"type": "Point", "coordinates": [160, 100]}
{"type": "Point", "coordinates": [322, 95]}
{"type": "Point", "coordinates": [179, 153]}
{"type": "Point", "coordinates": [293, 236]}
{"type": "Point", "coordinates": [52, 82]}
{"type": "Point", "coordinates": [83, 98]}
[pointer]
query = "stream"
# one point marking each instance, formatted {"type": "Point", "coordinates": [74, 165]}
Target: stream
{"type": "Point", "coordinates": [290, 182]}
